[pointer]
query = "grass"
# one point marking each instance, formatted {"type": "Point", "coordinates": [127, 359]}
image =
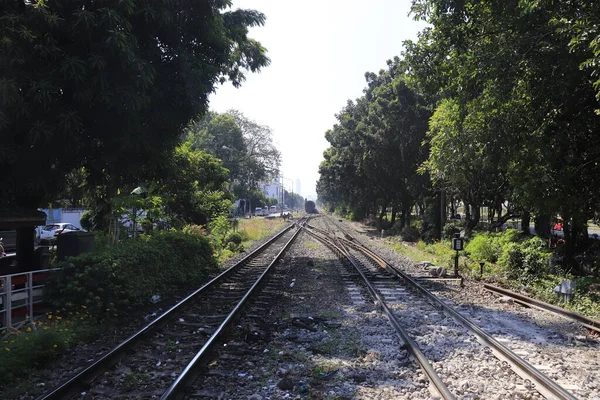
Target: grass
{"type": "Point", "coordinates": [587, 296]}
{"type": "Point", "coordinates": [312, 245]}
{"type": "Point", "coordinates": [253, 230]}
{"type": "Point", "coordinates": [258, 228]}
{"type": "Point", "coordinates": [438, 253]}
{"type": "Point", "coordinates": [33, 346]}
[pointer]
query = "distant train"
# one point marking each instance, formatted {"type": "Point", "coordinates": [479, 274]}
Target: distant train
{"type": "Point", "coordinates": [310, 207]}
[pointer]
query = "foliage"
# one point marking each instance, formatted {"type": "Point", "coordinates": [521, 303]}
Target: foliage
{"type": "Point", "coordinates": [127, 275]}
{"type": "Point", "coordinates": [86, 220]}
{"type": "Point", "coordinates": [378, 135]}
{"type": "Point", "coordinates": [484, 247]}
{"type": "Point", "coordinates": [410, 234]}
{"type": "Point", "coordinates": [451, 227]}
{"type": "Point", "coordinates": [233, 237]}
{"type": "Point", "coordinates": [107, 86]}
{"type": "Point", "coordinates": [194, 189]}
{"type": "Point", "coordinates": [33, 346]}
{"type": "Point", "coordinates": [220, 227]}
{"type": "Point", "coordinates": [526, 261]}
{"type": "Point", "coordinates": [245, 146]}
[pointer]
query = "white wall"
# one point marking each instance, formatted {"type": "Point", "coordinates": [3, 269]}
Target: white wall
{"type": "Point", "coordinates": [72, 216]}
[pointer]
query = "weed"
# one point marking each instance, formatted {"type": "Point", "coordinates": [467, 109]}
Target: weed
{"type": "Point", "coordinates": [134, 379]}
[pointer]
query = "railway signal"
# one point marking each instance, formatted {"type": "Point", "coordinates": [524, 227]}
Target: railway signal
{"type": "Point", "coordinates": [458, 245]}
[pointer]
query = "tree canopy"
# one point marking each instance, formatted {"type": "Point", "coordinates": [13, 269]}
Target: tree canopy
{"type": "Point", "coordinates": [246, 147]}
{"type": "Point", "coordinates": [495, 104]}
{"type": "Point", "coordinates": [107, 86]}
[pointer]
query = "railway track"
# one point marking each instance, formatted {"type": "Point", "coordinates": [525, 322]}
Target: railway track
{"type": "Point", "coordinates": [589, 323]}
{"type": "Point", "coordinates": [161, 360]}
{"type": "Point", "coordinates": [433, 331]}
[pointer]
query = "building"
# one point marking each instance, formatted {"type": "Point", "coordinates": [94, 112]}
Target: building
{"type": "Point", "coordinates": [273, 188]}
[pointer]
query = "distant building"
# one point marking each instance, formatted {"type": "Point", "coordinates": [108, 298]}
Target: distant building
{"type": "Point", "coordinates": [273, 188]}
{"type": "Point", "coordinates": [298, 187]}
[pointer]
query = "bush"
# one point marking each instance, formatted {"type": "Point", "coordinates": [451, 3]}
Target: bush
{"type": "Point", "coordinates": [233, 237]}
{"type": "Point", "coordinates": [526, 261]}
{"type": "Point", "coordinates": [395, 230]}
{"type": "Point", "coordinates": [87, 220]}
{"type": "Point", "coordinates": [33, 346]}
{"type": "Point", "coordinates": [235, 248]}
{"type": "Point", "coordinates": [410, 234]}
{"type": "Point", "coordinates": [126, 276]}
{"type": "Point", "coordinates": [452, 227]}
{"type": "Point", "coordinates": [484, 247]}
{"type": "Point", "coordinates": [219, 227]}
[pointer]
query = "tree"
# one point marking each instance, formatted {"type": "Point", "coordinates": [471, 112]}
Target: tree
{"type": "Point", "coordinates": [524, 63]}
{"type": "Point", "coordinates": [193, 187]}
{"type": "Point", "coordinates": [107, 86]}
{"type": "Point", "coordinates": [380, 136]}
{"type": "Point", "coordinates": [246, 148]}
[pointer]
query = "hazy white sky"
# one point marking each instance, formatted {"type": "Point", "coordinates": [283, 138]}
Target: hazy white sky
{"type": "Point", "coordinates": [319, 53]}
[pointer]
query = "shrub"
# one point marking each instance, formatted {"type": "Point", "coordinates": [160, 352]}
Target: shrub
{"type": "Point", "coordinates": [87, 220]}
{"type": "Point", "coordinates": [233, 237]}
{"type": "Point", "coordinates": [511, 235]}
{"type": "Point", "coordinates": [525, 261]}
{"type": "Point", "coordinates": [396, 229]}
{"type": "Point", "coordinates": [219, 227]}
{"type": "Point", "coordinates": [410, 234]}
{"type": "Point", "coordinates": [452, 227]}
{"type": "Point", "coordinates": [484, 247]}
{"type": "Point", "coordinates": [235, 248]}
{"type": "Point", "coordinates": [34, 345]}
{"type": "Point", "coordinates": [126, 276]}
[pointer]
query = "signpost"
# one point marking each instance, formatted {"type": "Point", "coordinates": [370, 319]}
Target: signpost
{"type": "Point", "coordinates": [458, 245]}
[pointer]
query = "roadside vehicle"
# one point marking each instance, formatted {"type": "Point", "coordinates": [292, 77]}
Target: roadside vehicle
{"type": "Point", "coordinates": [272, 210]}
{"type": "Point", "coordinates": [49, 232]}
{"type": "Point", "coordinates": [258, 211]}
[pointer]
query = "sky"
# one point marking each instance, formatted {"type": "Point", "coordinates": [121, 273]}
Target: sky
{"type": "Point", "coordinates": [319, 51]}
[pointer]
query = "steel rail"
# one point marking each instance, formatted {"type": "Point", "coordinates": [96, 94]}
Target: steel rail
{"type": "Point", "coordinates": [412, 346]}
{"type": "Point", "coordinates": [531, 302]}
{"type": "Point", "coordinates": [68, 388]}
{"type": "Point", "coordinates": [190, 372]}
{"type": "Point", "coordinates": [545, 385]}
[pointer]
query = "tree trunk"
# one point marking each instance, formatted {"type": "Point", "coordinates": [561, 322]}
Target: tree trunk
{"type": "Point", "coordinates": [542, 226]}
{"type": "Point", "coordinates": [394, 212]}
{"type": "Point", "coordinates": [382, 214]}
{"type": "Point", "coordinates": [403, 217]}
{"type": "Point", "coordinates": [526, 220]}
{"type": "Point", "coordinates": [473, 221]}
{"type": "Point", "coordinates": [442, 209]}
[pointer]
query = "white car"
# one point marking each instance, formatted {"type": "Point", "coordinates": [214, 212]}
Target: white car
{"type": "Point", "coordinates": [49, 232]}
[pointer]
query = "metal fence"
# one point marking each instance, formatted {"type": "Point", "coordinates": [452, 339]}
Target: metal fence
{"type": "Point", "coordinates": [21, 297]}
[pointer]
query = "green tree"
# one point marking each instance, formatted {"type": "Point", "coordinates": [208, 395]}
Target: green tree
{"type": "Point", "coordinates": [246, 147]}
{"type": "Point", "coordinates": [193, 188]}
{"type": "Point", "coordinates": [520, 63]}
{"type": "Point", "coordinates": [107, 86]}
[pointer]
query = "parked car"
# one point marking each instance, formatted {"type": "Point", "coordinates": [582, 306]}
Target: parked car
{"type": "Point", "coordinates": [49, 232]}
{"type": "Point", "coordinates": [273, 210]}
{"type": "Point", "coordinates": [258, 211]}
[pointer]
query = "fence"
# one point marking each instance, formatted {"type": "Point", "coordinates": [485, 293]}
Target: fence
{"type": "Point", "coordinates": [21, 297]}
